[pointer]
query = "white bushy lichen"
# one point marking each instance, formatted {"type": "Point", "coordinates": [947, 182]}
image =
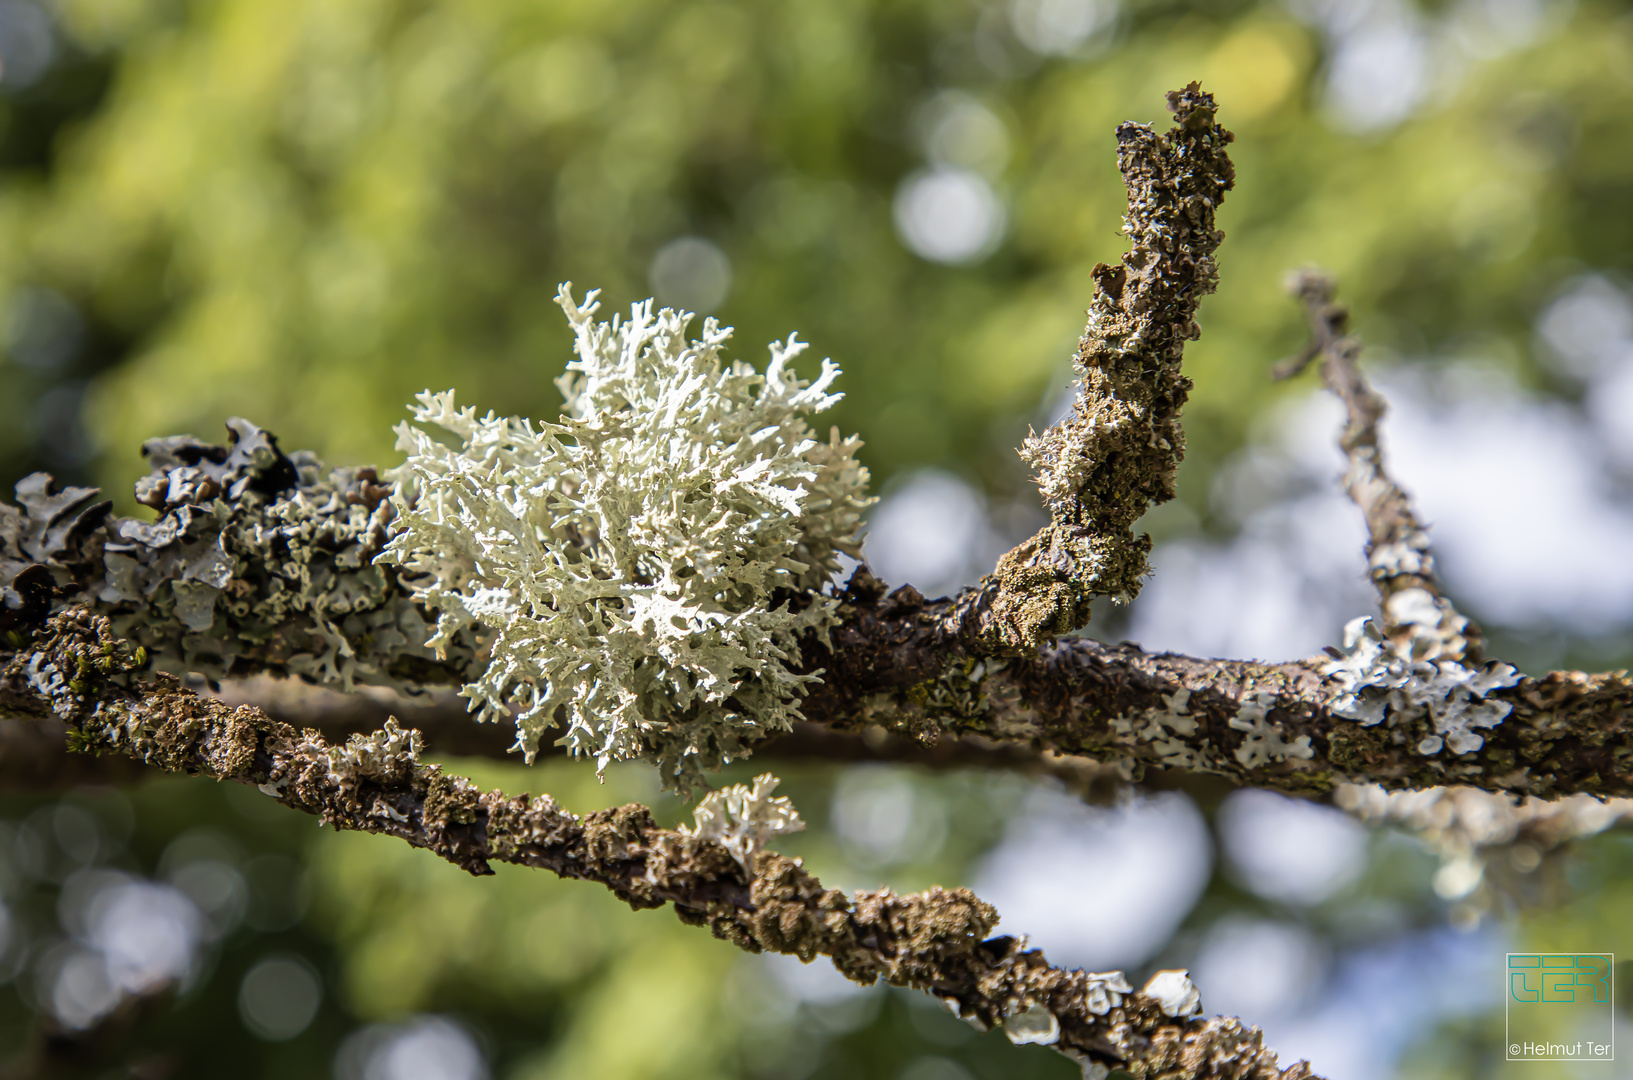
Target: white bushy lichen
{"type": "Point", "coordinates": [643, 569]}
{"type": "Point", "coordinates": [742, 819]}
{"type": "Point", "coordinates": [1378, 679]}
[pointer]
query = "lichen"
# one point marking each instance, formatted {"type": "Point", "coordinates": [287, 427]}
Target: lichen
{"type": "Point", "coordinates": [742, 819]}
{"type": "Point", "coordinates": [1380, 680]}
{"type": "Point", "coordinates": [1265, 741]}
{"type": "Point", "coordinates": [646, 567]}
{"type": "Point", "coordinates": [1105, 990]}
{"type": "Point", "coordinates": [1033, 1024]}
{"type": "Point", "coordinates": [257, 561]}
{"type": "Point", "coordinates": [1175, 993]}
{"type": "Point", "coordinates": [1153, 728]}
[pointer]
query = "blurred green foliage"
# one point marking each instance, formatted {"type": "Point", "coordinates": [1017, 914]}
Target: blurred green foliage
{"type": "Point", "coordinates": [304, 212]}
{"type": "Point", "coordinates": [307, 212]}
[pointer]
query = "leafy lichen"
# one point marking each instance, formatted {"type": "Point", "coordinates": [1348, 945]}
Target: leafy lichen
{"type": "Point", "coordinates": [646, 566]}
{"type": "Point", "coordinates": [1443, 698]}
{"type": "Point", "coordinates": [1174, 993]}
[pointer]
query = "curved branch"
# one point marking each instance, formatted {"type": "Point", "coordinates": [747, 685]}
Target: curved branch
{"type": "Point", "coordinates": [1115, 455]}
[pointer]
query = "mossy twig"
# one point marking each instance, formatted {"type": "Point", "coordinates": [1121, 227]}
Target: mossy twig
{"type": "Point", "coordinates": [938, 941]}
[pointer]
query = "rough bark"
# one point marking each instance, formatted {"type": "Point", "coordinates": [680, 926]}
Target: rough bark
{"type": "Point", "coordinates": [34, 755]}
{"type": "Point", "coordinates": [898, 661]}
{"type": "Point", "coordinates": [910, 666]}
{"type": "Point", "coordinates": [1116, 454]}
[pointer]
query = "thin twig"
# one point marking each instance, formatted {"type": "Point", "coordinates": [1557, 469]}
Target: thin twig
{"type": "Point", "coordinates": [1417, 614]}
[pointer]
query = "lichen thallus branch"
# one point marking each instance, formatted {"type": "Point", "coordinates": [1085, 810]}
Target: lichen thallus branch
{"type": "Point", "coordinates": [262, 562]}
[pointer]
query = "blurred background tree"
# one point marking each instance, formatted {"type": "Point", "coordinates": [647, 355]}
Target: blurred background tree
{"type": "Point", "coordinates": [306, 212]}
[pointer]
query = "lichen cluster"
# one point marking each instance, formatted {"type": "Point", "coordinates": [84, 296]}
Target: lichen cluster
{"type": "Point", "coordinates": [1378, 680]}
{"type": "Point", "coordinates": [646, 566]}
{"type": "Point", "coordinates": [1163, 730]}
{"type": "Point", "coordinates": [257, 561]}
{"type": "Point", "coordinates": [1174, 992]}
{"type": "Point", "coordinates": [1265, 741]}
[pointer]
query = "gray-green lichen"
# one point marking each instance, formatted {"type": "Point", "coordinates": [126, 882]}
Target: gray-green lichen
{"type": "Point", "coordinates": [646, 567]}
{"type": "Point", "coordinates": [1116, 454]}
{"type": "Point", "coordinates": [1265, 741]}
{"type": "Point", "coordinates": [1379, 679]}
{"type": "Point", "coordinates": [257, 561]}
{"type": "Point", "coordinates": [1033, 1024]}
{"type": "Point", "coordinates": [742, 819]}
{"type": "Point", "coordinates": [1174, 992]}
{"type": "Point", "coordinates": [1164, 730]}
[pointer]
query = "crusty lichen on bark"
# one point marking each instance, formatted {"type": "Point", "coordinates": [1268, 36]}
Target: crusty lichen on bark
{"type": "Point", "coordinates": [258, 561]}
{"type": "Point", "coordinates": [1117, 452]}
{"type": "Point", "coordinates": [1421, 669]}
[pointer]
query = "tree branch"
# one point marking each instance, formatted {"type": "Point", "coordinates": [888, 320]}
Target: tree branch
{"type": "Point", "coordinates": [1417, 616]}
{"type": "Point", "coordinates": [265, 563]}
{"type": "Point", "coordinates": [262, 563]}
{"type": "Point", "coordinates": [77, 668]}
{"type": "Point", "coordinates": [298, 596]}
{"type": "Point", "coordinates": [1465, 825]}
{"type": "Point", "coordinates": [34, 754]}
{"type": "Point", "coordinates": [1115, 455]}
{"type": "Point", "coordinates": [897, 660]}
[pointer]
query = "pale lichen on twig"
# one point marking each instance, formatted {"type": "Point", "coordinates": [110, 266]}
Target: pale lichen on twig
{"type": "Point", "coordinates": [1418, 618]}
{"type": "Point", "coordinates": [644, 571]}
{"type": "Point", "coordinates": [742, 819]}
{"type": "Point", "coordinates": [682, 494]}
{"type": "Point", "coordinates": [1424, 661]}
